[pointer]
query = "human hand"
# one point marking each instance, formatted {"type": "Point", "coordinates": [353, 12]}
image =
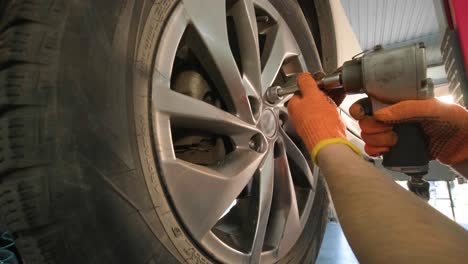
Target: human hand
{"type": "Point", "coordinates": [446, 126]}
{"type": "Point", "coordinates": [315, 117]}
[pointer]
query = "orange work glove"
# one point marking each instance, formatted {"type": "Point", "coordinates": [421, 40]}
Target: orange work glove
{"type": "Point", "coordinates": [315, 117]}
{"type": "Point", "coordinates": [446, 126]}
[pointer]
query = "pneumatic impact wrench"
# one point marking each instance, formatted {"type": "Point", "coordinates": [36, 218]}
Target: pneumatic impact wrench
{"type": "Point", "coordinates": [387, 76]}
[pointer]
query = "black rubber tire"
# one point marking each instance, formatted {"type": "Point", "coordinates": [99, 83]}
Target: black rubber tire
{"type": "Point", "coordinates": [78, 174]}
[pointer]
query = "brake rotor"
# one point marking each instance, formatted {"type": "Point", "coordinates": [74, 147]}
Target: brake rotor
{"type": "Point", "coordinates": [196, 146]}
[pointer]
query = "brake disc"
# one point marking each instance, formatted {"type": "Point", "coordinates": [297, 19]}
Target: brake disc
{"type": "Point", "coordinates": [196, 146]}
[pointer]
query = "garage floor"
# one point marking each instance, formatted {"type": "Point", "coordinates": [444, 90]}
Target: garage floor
{"type": "Point", "coordinates": [449, 198]}
{"type": "Point", "coordinates": [335, 249]}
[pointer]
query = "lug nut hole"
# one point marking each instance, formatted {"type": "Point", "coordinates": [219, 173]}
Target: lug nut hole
{"type": "Point", "coordinates": [258, 143]}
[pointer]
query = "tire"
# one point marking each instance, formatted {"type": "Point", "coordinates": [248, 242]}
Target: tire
{"type": "Point", "coordinates": [79, 177]}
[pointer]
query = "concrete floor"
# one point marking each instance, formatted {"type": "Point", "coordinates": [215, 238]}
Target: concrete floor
{"type": "Point", "coordinates": [335, 249]}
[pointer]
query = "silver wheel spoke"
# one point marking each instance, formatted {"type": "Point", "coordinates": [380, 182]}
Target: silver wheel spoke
{"type": "Point", "coordinates": [193, 113]}
{"type": "Point", "coordinates": [212, 29]}
{"type": "Point", "coordinates": [246, 26]}
{"type": "Point", "coordinates": [203, 194]}
{"type": "Point", "coordinates": [298, 158]}
{"type": "Point", "coordinates": [288, 202]}
{"type": "Point", "coordinates": [283, 101]}
{"type": "Point", "coordinates": [292, 229]}
{"type": "Point", "coordinates": [264, 206]}
{"type": "Point", "coordinates": [283, 46]}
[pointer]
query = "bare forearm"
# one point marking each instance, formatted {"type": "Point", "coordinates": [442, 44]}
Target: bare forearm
{"type": "Point", "coordinates": [383, 222]}
{"type": "Point", "coordinates": [461, 168]}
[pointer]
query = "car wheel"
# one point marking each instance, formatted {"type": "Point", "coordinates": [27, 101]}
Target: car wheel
{"type": "Point", "coordinates": [137, 132]}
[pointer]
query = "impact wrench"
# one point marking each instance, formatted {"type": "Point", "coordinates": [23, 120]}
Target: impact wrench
{"type": "Point", "coordinates": [387, 76]}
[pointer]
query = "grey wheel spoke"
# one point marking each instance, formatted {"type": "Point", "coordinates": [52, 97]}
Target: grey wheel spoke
{"type": "Point", "coordinates": [264, 206]}
{"type": "Point", "coordinates": [283, 46]}
{"type": "Point", "coordinates": [292, 230]}
{"type": "Point", "coordinates": [193, 113]}
{"type": "Point", "coordinates": [288, 203]}
{"type": "Point", "coordinates": [246, 27]}
{"type": "Point", "coordinates": [281, 103]}
{"type": "Point", "coordinates": [202, 193]}
{"type": "Point", "coordinates": [298, 158]}
{"type": "Point", "coordinates": [212, 28]}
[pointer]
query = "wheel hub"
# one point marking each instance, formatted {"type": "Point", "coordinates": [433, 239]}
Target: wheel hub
{"type": "Point", "coordinates": [268, 123]}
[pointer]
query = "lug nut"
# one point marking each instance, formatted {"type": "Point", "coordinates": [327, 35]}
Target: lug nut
{"type": "Point", "coordinates": [272, 95]}
{"type": "Point", "coordinates": [257, 143]}
{"type": "Point", "coordinates": [252, 144]}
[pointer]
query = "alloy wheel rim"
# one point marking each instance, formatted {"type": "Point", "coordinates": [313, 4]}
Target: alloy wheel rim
{"type": "Point", "coordinates": [263, 155]}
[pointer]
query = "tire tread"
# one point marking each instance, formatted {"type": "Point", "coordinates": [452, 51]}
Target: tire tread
{"type": "Point", "coordinates": [30, 32]}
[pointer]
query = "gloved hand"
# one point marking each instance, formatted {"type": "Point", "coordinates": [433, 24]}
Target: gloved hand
{"type": "Point", "coordinates": [315, 117]}
{"type": "Point", "coordinates": [446, 126]}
